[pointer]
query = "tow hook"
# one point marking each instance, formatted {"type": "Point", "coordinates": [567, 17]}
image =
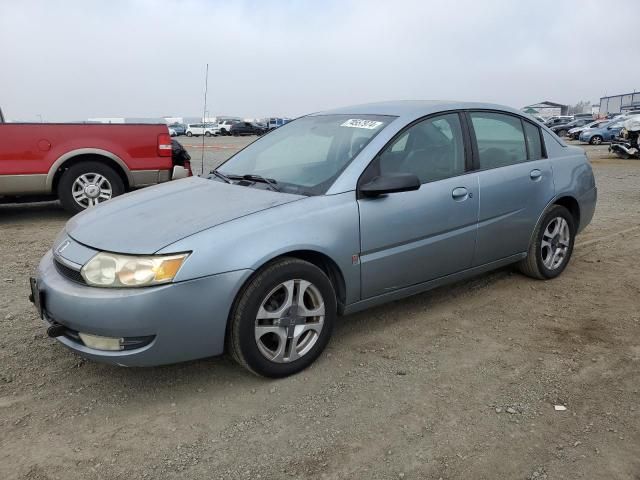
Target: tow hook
{"type": "Point", "coordinates": [56, 330]}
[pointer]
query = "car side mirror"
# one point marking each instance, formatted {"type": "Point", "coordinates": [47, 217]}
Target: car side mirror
{"type": "Point", "coordinates": [390, 183]}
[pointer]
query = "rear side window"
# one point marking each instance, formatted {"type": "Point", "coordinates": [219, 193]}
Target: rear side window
{"type": "Point", "coordinates": [534, 141]}
{"type": "Point", "coordinates": [500, 139]}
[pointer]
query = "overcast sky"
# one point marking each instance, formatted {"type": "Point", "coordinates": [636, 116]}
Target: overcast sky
{"type": "Point", "coordinates": [71, 59]}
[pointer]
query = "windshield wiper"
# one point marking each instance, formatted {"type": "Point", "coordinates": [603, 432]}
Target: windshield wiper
{"type": "Point", "coordinates": [259, 178]}
{"type": "Point", "coordinates": [222, 176]}
{"type": "Point", "coordinates": [249, 176]}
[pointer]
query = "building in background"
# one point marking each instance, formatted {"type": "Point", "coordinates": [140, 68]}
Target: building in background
{"type": "Point", "coordinates": [620, 103]}
{"type": "Point", "coordinates": [546, 109]}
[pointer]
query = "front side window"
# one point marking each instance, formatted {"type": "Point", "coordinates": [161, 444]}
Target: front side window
{"type": "Point", "coordinates": [500, 139]}
{"type": "Point", "coordinates": [432, 149]}
{"type": "Point", "coordinates": [307, 155]}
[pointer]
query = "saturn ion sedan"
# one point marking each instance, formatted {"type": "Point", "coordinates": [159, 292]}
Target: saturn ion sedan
{"type": "Point", "coordinates": [329, 214]}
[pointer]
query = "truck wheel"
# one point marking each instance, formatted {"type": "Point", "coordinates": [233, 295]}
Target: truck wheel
{"type": "Point", "coordinates": [87, 184]}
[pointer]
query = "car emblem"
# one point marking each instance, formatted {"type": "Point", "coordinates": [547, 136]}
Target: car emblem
{"type": "Point", "coordinates": [62, 247]}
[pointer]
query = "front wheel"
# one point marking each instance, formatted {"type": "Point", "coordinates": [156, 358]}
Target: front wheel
{"type": "Point", "coordinates": [86, 184]}
{"type": "Point", "coordinates": [562, 133]}
{"type": "Point", "coordinates": [596, 140]}
{"type": "Point", "coordinates": [282, 320]}
{"type": "Point", "coordinates": [551, 246]}
{"type": "Point", "coordinates": [207, 134]}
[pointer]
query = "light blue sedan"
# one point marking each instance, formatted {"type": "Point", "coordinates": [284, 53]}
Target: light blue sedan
{"type": "Point", "coordinates": [329, 214]}
{"type": "Point", "coordinates": [601, 133]}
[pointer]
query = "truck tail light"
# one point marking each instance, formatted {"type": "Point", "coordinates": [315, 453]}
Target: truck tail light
{"type": "Point", "coordinates": [164, 145]}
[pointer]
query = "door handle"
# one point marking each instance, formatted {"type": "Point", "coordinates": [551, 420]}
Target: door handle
{"type": "Point", "coordinates": [535, 174]}
{"type": "Point", "coordinates": [459, 194]}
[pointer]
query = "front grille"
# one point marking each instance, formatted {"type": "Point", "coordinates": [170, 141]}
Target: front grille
{"type": "Point", "coordinates": [67, 272]}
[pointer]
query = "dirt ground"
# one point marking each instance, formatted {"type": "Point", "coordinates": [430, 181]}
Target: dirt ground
{"type": "Point", "coordinates": [457, 383]}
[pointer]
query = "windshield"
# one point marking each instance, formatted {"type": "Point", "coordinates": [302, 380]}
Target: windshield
{"type": "Point", "coordinates": [306, 155]}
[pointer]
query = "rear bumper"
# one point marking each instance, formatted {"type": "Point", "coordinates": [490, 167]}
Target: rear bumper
{"type": "Point", "coordinates": [187, 320]}
{"type": "Point", "coordinates": [587, 204]}
{"type": "Point", "coordinates": [145, 178]}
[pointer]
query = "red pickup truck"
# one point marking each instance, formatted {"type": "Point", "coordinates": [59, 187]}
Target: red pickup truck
{"type": "Point", "coordinates": [84, 164]}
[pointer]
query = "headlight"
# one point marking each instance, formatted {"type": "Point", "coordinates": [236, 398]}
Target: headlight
{"type": "Point", "coordinates": [113, 270]}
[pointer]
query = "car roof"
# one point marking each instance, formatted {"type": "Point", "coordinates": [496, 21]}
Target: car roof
{"type": "Point", "coordinates": [415, 108]}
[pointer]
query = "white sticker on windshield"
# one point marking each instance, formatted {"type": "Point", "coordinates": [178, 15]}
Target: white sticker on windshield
{"type": "Point", "coordinates": [358, 123]}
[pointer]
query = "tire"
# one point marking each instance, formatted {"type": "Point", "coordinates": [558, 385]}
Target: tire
{"type": "Point", "coordinates": [207, 134]}
{"type": "Point", "coordinates": [189, 134]}
{"type": "Point", "coordinates": [595, 140]}
{"type": "Point", "coordinates": [268, 353]}
{"type": "Point", "coordinates": [562, 133]}
{"type": "Point", "coordinates": [93, 175]}
{"type": "Point", "coordinates": [543, 245]}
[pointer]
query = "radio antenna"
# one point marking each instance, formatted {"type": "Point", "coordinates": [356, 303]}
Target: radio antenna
{"type": "Point", "coordinates": [204, 113]}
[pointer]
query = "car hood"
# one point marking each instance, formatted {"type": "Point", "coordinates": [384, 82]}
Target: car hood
{"type": "Point", "coordinates": [145, 221]}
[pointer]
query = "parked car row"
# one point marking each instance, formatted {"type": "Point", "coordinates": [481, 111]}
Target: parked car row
{"type": "Point", "coordinates": [604, 131]}
{"type": "Point", "coordinates": [227, 127]}
{"type": "Point", "coordinates": [584, 128]}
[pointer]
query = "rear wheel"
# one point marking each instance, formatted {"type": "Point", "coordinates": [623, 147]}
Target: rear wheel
{"type": "Point", "coordinates": [596, 140]}
{"type": "Point", "coordinates": [562, 133]}
{"type": "Point", "coordinates": [189, 134]}
{"type": "Point", "coordinates": [282, 320]}
{"type": "Point", "coordinates": [87, 184]}
{"type": "Point", "coordinates": [207, 134]}
{"type": "Point", "coordinates": [551, 246]}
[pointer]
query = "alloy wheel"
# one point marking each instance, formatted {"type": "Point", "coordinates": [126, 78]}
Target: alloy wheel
{"type": "Point", "coordinates": [556, 240]}
{"type": "Point", "coordinates": [90, 189]}
{"type": "Point", "coordinates": [289, 321]}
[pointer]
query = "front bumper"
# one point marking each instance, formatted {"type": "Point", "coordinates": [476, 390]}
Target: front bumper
{"type": "Point", "coordinates": [186, 320]}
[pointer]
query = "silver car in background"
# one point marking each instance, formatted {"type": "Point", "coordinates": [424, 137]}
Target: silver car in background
{"type": "Point", "coordinates": [329, 214]}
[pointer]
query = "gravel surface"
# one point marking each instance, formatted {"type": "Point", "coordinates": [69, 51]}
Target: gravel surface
{"type": "Point", "coordinates": [458, 383]}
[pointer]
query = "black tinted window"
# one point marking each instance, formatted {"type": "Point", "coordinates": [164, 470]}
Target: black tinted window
{"type": "Point", "coordinates": [432, 149]}
{"type": "Point", "coordinates": [534, 142]}
{"type": "Point", "coordinates": [500, 139]}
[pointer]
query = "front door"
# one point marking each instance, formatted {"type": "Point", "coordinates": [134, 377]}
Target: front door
{"type": "Point", "coordinates": [412, 237]}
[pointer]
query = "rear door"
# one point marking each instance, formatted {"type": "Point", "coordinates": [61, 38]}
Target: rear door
{"type": "Point", "coordinates": [515, 179]}
{"type": "Point", "coordinates": [412, 237]}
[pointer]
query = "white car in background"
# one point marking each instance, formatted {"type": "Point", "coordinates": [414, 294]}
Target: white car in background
{"type": "Point", "coordinates": [206, 129]}
{"type": "Point", "coordinates": [225, 126]}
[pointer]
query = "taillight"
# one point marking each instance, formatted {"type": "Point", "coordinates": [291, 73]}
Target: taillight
{"type": "Point", "coordinates": [164, 145]}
